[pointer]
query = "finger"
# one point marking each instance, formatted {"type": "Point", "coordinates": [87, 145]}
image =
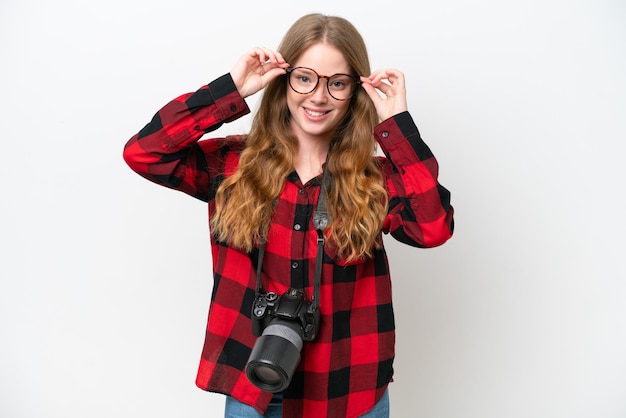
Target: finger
{"type": "Point", "coordinates": [372, 92]}
{"type": "Point", "coordinates": [383, 87]}
{"type": "Point", "coordinates": [396, 77]}
{"type": "Point", "coordinates": [268, 55]}
{"type": "Point", "coordinates": [380, 80]}
{"type": "Point", "coordinates": [375, 88]}
{"type": "Point", "coordinates": [262, 55]}
{"type": "Point", "coordinates": [389, 74]}
{"type": "Point", "coordinates": [272, 74]}
{"type": "Point", "coordinates": [377, 76]}
{"type": "Point", "coordinates": [275, 56]}
{"type": "Point", "coordinates": [270, 66]}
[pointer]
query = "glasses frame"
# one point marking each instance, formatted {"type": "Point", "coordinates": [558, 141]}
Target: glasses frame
{"type": "Point", "coordinates": [319, 77]}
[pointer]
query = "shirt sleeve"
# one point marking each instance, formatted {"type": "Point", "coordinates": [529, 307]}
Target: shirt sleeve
{"type": "Point", "coordinates": [167, 152]}
{"type": "Point", "coordinates": [419, 211]}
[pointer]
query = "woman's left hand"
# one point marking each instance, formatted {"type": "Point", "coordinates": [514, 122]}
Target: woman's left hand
{"type": "Point", "coordinates": [390, 83]}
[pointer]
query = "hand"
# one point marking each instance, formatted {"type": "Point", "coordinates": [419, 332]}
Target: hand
{"type": "Point", "coordinates": [390, 83]}
{"type": "Point", "coordinates": [256, 69]}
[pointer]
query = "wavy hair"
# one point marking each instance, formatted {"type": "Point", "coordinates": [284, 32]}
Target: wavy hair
{"type": "Point", "coordinates": [357, 199]}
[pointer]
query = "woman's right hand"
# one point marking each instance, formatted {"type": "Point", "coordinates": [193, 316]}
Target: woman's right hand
{"type": "Point", "coordinates": [256, 69]}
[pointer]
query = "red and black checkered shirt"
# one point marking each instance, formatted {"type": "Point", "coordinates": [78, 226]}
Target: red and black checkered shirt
{"type": "Point", "coordinates": [346, 370]}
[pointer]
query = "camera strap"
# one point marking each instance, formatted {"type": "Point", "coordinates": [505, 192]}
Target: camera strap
{"type": "Point", "coordinates": [321, 220]}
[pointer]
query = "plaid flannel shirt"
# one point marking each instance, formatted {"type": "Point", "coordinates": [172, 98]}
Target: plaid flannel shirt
{"type": "Point", "coordinates": [346, 370]}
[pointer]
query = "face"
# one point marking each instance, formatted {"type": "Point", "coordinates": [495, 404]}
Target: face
{"type": "Point", "coordinates": [316, 115]}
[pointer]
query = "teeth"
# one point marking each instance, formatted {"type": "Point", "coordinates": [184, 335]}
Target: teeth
{"type": "Point", "coordinates": [312, 113]}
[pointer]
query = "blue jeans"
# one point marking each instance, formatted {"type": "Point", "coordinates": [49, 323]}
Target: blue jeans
{"type": "Point", "coordinates": [236, 409]}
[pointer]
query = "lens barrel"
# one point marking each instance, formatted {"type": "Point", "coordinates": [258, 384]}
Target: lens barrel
{"type": "Point", "coordinates": [275, 356]}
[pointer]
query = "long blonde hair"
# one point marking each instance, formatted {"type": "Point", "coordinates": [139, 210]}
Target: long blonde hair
{"type": "Point", "coordinates": [357, 199]}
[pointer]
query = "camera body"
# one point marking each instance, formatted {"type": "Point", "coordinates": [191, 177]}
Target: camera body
{"type": "Point", "coordinates": [282, 324]}
{"type": "Point", "coordinates": [290, 306]}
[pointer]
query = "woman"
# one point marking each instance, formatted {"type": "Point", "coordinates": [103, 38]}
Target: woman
{"type": "Point", "coordinates": [312, 144]}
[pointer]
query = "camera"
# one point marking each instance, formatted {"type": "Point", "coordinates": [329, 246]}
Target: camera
{"type": "Point", "coordinates": [282, 324]}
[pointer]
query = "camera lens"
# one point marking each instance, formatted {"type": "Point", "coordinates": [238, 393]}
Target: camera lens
{"type": "Point", "coordinates": [275, 356]}
{"type": "Point", "coordinates": [266, 374]}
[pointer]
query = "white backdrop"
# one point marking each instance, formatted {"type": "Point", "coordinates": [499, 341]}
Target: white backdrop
{"type": "Point", "coordinates": [105, 278]}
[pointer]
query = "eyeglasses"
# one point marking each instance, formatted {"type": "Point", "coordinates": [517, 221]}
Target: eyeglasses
{"type": "Point", "coordinates": [304, 80]}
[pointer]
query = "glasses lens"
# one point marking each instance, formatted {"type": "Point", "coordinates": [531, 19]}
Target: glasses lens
{"type": "Point", "coordinates": [341, 86]}
{"type": "Point", "coordinates": [303, 80]}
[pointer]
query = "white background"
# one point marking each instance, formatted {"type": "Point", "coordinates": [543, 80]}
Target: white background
{"type": "Point", "coordinates": [105, 277]}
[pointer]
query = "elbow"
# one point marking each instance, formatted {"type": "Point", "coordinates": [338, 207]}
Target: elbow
{"type": "Point", "coordinates": [132, 157]}
{"type": "Point", "coordinates": [438, 233]}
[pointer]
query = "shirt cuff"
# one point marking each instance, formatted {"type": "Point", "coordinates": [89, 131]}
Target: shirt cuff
{"type": "Point", "coordinates": [392, 133]}
{"type": "Point", "coordinates": [226, 97]}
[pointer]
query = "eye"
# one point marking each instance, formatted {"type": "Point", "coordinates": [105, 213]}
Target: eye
{"type": "Point", "coordinates": [340, 82]}
{"type": "Point", "coordinates": [304, 77]}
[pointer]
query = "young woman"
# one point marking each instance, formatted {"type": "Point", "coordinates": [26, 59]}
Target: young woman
{"type": "Point", "coordinates": [311, 149]}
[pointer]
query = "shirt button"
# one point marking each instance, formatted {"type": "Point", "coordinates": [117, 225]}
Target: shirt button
{"type": "Point", "coordinates": [294, 265]}
{"type": "Point", "coordinates": [301, 191]}
{"type": "Point", "coordinates": [233, 108]}
{"type": "Point", "coordinates": [385, 134]}
{"type": "Point", "coordinates": [297, 227]}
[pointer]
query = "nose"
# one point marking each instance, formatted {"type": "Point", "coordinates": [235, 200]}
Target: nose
{"type": "Point", "coordinates": [321, 90]}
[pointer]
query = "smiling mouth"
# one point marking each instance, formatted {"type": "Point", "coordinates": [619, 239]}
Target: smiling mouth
{"type": "Point", "coordinates": [314, 113]}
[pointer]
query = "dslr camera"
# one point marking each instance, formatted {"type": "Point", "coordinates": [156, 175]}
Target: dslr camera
{"type": "Point", "coordinates": [282, 324]}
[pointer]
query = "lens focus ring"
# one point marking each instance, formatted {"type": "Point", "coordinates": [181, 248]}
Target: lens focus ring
{"type": "Point", "coordinates": [283, 329]}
